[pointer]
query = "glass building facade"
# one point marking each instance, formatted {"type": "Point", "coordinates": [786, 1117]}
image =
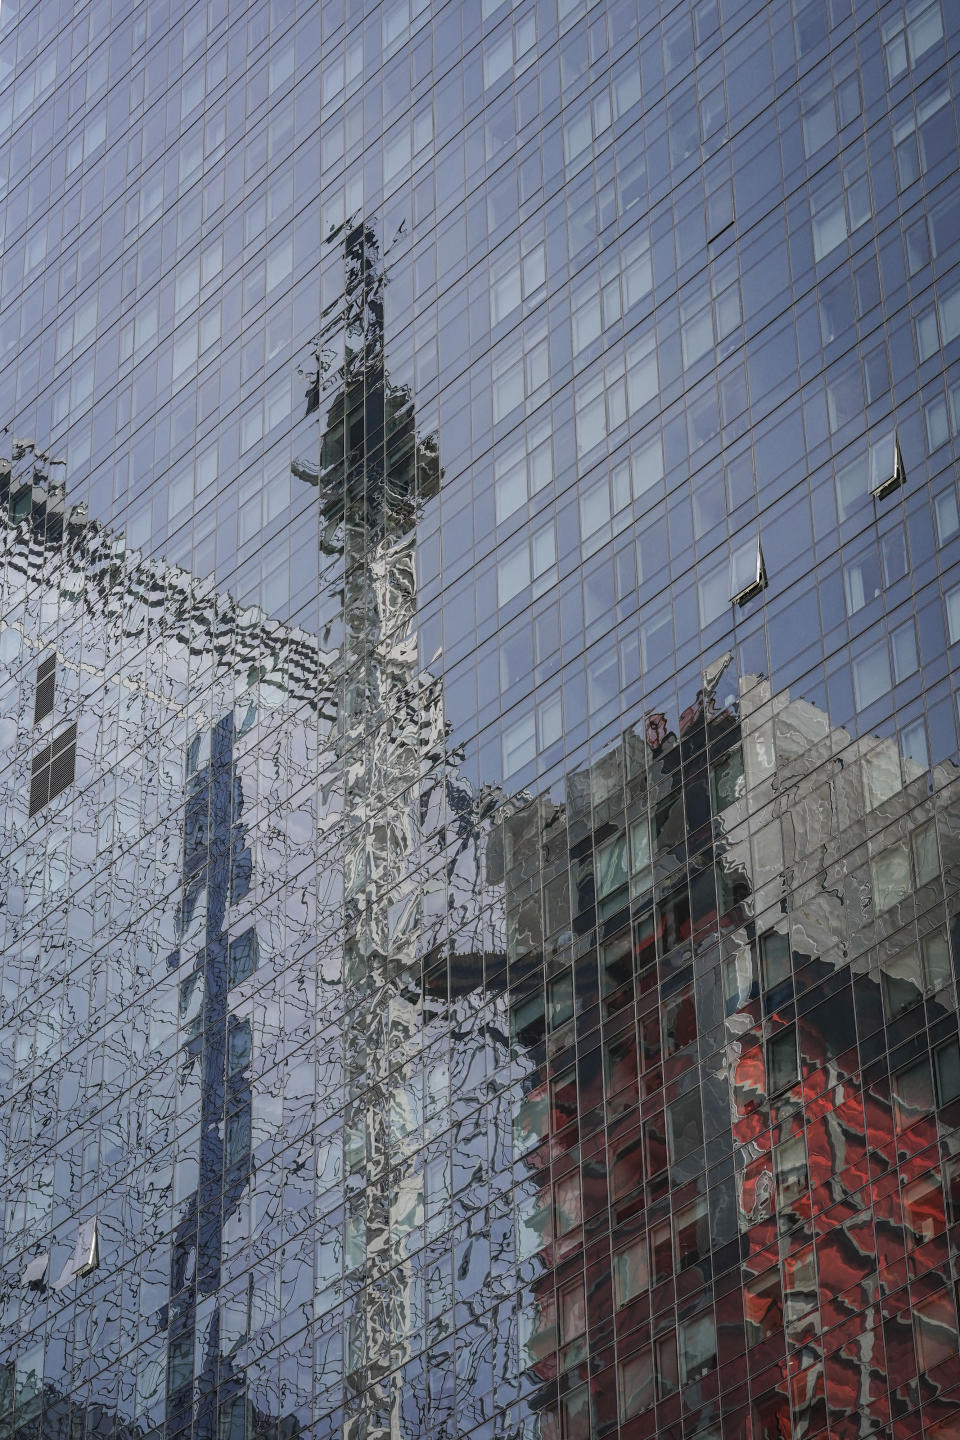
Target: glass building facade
{"type": "Point", "coordinates": [479, 792]}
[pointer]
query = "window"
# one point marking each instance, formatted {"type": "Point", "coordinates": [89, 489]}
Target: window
{"type": "Point", "coordinates": [46, 681]}
{"type": "Point", "coordinates": [611, 874]}
{"type": "Point", "coordinates": [901, 982]}
{"type": "Point", "coordinates": [237, 1145]}
{"type": "Point", "coordinates": [939, 324]}
{"type": "Point", "coordinates": [698, 1348]}
{"type": "Point", "coordinates": [180, 1362]}
{"type": "Point", "coordinates": [934, 1328]}
{"type": "Point", "coordinates": [783, 1066]}
{"type": "Point", "coordinates": [732, 581]}
{"type": "Point", "coordinates": [825, 108]}
{"type": "Point", "coordinates": [575, 1412]}
{"type": "Point", "coordinates": [923, 136]}
{"type": "Point", "coordinates": [926, 858]}
{"type": "Point", "coordinates": [727, 780]}
{"type": "Point", "coordinates": [53, 769]}
{"type": "Point", "coordinates": [563, 1099]}
{"type": "Point", "coordinates": [504, 48]}
{"type": "Point", "coordinates": [844, 394]}
{"type": "Point", "coordinates": [640, 867]}
{"type": "Point", "coordinates": [527, 563]}
{"type": "Point", "coordinates": [710, 313]}
{"type": "Point", "coordinates": [775, 963]}
{"type": "Point", "coordinates": [519, 744]}
{"type": "Point", "coordinates": [242, 956]}
{"type": "Point", "coordinates": [691, 1233]}
{"type": "Point", "coordinates": [903, 642]}
{"type": "Point", "coordinates": [600, 299]}
{"type": "Point", "coordinates": [909, 35]}
{"type": "Point", "coordinates": [572, 1311]}
{"type": "Point", "coordinates": [747, 574]}
{"type": "Point", "coordinates": [239, 1046]}
{"type": "Point", "coordinates": [27, 1379]}
{"type": "Point", "coordinates": [946, 1059]}
{"type": "Point", "coordinates": [886, 468]}
{"type": "Point", "coordinates": [35, 1274]}
{"type": "Point", "coordinates": [948, 519]}
{"type": "Point", "coordinates": [520, 366]}
{"type": "Point", "coordinates": [790, 1170]}
{"type": "Point", "coordinates": [514, 278]}
{"type": "Point", "coordinates": [861, 581]}
{"type": "Point", "coordinates": [661, 1251]}
{"type": "Point", "coordinates": [923, 1209]}
{"type": "Point", "coordinates": [818, 117]}
{"type": "Point", "coordinates": [839, 206]}
{"type": "Point", "coordinates": [891, 877]}
{"type": "Point", "coordinates": [878, 472]}
{"type": "Point", "coordinates": [610, 395]}
{"type": "Point", "coordinates": [871, 675]}
{"type": "Point", "coordinates": [684, 1126]}
{"type": "Point", "coordinates": [631, 1276]}
{"type": "Point", "coordinates": [522, 470]}
{"type": "Point", "coordinates": [667, 1376]}
{"type": "Point", "coordinates": [936, 961]}
{"type": "Point", "coordinates": [635, 1379]}
{"type": "Point", "coordinates": [85, 1257]}
{"type": "Point", "coordinates": [560, 1000]}
{"type": "Point", "coordinates": [763, 1306]}
{"type": "Point", "coordinates": [620, 1073]}
{"type": "Point", "coordinates": [679, 1021]}
{"type": "Point", "coordinates": [566, 1198]}
{"type": "Point", "coordinates": [811, 24]}
{"type": "Point", "coordinates": [87, 1250]}
{"type": "Point", "coordinates": [912, 1090]}
{"type": "Point", "coordinates": [799, 1282]}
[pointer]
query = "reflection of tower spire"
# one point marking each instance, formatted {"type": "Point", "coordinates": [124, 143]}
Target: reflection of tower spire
{"type": "Point", "coordinates": [373, 471]}
{"type": "Point", "coordinates": [372, 474]}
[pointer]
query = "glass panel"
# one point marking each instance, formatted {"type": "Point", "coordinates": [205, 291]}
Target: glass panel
{"type": "Point", "coordinates": [698, 1348]}
{"type": "Point", "coordinates": [630, 1273]}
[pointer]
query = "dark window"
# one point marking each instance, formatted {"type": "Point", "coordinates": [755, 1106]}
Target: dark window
{"type": "Point", "coordinates": [667, 1378]}
{"type": "Point", "coordinates": [726, 779]}
{"type": "Point", "coordinates": [53, 769]}
{"type": "Point", "coordinates": [947, 1057]}
{"type": "Point", "coordinates": [560, 1000]}
{"type": "Point", "coordinates": [684, 1126]}
{"type": "Point", "coordinates": [774, 958]}
{"type": "Point", "coordinates": [691, 1233]}
{"type": "Point", "coordinates": [238, 1137]}
{"type": "Point", "coordinates": [243, 956]}
{"type": "Point", "coordinates": [239, 1046]}
{"type": "Point", "coordinates": [782, 1063]}
{"type": "Point", "coordinates": [527, 1019]}
{"type": "Point", "coordinates": [46, 684]}
{"type": "Point", "coordinates": [180, 1362]}
{"type": "Point", "coordinates": [232, 1419]}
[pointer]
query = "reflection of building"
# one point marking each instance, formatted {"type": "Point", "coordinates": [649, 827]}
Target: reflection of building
{"type": "Point", "coordinates": [478, 912]}
{"type": "Point", "coordinates": [705, 1141]}
{"type": "Point", "coordinates": [130, 891]}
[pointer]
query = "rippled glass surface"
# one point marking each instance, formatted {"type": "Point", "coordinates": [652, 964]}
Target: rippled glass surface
{"type": "Point", "coordinates": [479, 806]}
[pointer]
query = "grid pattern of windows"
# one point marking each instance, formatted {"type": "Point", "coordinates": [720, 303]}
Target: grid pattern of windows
{"type": "Point", "coordinates": [483, 478]}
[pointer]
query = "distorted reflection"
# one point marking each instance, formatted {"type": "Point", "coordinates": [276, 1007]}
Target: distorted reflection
{"type": "Point", "coordinates": [347, 1095]}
